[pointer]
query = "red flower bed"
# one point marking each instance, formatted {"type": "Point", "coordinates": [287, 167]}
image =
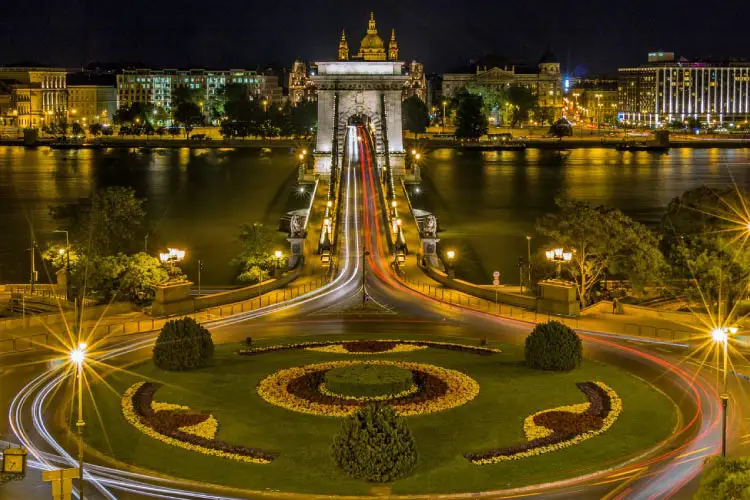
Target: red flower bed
{"type": "Point", "coordinates": [168, 423]}
{"type": "Point", "coordinates": [307, 387]}
{"type": "Point", "coordinates": [565, 425]}
{"type": "Point", "coordinates": [368, 346]}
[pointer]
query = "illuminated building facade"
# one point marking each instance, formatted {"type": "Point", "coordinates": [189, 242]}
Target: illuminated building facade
{"type": "Point", "coordinates": [544, 80]}
{"type": "Point", "coordinates": [666, 89]}
{"type": "Point", "coordinates": [37, 95]}
{"type": "Point", "coordinates": [302, 82]}
{"type": "Point", "coordinates": [156, 86]}
{"type": "Point", "coordinates": [92, 98]}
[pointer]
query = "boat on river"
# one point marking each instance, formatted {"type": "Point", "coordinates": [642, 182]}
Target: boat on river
{"type": "Point", "coordinates": [634, 146]}
{"type": "Point", "coordinates": [494, 146]}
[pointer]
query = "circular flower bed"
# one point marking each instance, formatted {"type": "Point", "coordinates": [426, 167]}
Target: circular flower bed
{"type": "Point", "coordinates": [299, 389]}
{"type": "Point", "coordinates": [368, 380]}
{"type": "Point", "coordinates": [371, 347]}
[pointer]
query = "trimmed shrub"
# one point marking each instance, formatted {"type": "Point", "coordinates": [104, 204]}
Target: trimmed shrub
{"type": "Point", "coordinates": [724, 478]}
{"type": "Point", "coordinates": [553, 346]}
{"type": "Point", "coordinates": [183, 344]}
{"type": "Point", "coordinates": [365, 380]}
{"type": "Point", "coordinates": [375, 444]}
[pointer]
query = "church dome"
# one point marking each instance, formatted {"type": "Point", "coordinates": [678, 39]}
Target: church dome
{"type": "Point", "coordinates": [372, 41]}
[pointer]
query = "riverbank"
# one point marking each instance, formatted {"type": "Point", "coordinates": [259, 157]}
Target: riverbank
{"type": "Point", "coordinates": [553, 144]}
{"type": "Point", "coordinates": [171, 143]}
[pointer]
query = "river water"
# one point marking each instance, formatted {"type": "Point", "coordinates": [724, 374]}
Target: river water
{"type": "Point", "coordinates": [196, 199]}
{"type": "Point", "coordinates": [487, 202]}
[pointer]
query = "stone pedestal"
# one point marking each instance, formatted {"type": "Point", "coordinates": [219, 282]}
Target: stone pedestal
{"type": "Point", "coordinates": [558, 297]}
{"type": "Point", "coordinates": [429, 251]}
{"type": "Point", "coordinates": [172, 298]}
{"type": "Point", "coordinates": [322, 163]}
{"type": "Point", "coordinates": [398, 164]}
{"type": "Point", "coordinates": [296, 249]}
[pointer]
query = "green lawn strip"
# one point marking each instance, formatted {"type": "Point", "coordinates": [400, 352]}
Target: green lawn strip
{"type": "Point", "coordinates": [509, 392]}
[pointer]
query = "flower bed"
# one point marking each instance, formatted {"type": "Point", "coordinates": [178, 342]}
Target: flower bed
{"type": "Point", "coordinates": [298, 389]}
{"type": "Point", "coordinates": [185, 430]}
{"type": "Point", "coordinates": [370, 347]}
{"type": "Point", "coordinates": [558, 428]}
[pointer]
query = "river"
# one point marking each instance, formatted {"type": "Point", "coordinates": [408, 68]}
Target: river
{"type": "Point", "coordinates": [487, 202]}
{"type": "Point", "coordinates": [196, 199]}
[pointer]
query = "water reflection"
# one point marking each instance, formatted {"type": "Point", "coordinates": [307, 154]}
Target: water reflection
{"type": "Point", "coordinates": [489, 202]}
{"type": "Point", "coordinates": [196, 199]}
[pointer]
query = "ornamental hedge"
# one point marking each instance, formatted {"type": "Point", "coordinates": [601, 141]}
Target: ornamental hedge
{"type": "Point", "coordinates": [375, 444]}
{"type": "Point", "coordinates": [183, 344]}
{"type": "Point", "coordinates": [553, 346]}
{"type": "Point", "coordinates": [367, 380]}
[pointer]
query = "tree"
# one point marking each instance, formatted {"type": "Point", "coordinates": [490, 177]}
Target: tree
{"type": "Point", "coordinates": [305, 118]}
{"type": "Point", "coordinates": [375, 444]}
{"type": "Point", "coordinates": [553, 346]}
{"type": "Point", "coordinates": [561, 128]}
{"type": "Point", "coordinates": [135, 114]}
{"type": "Point", "coordinates": [522, 101]}
{"type": "Point", "coordinates": [183, 344]}
{"type": "Point", "coordinates": [95, 129]}
{"type": "Point", "coordinates": [602, 238]}
{"type": "Point", "coordinates": [142, 272]}
{"type": "Point", "coordinates": [77, 129]}
{"type": "Point", "coordinates": [704, 241]}
{"type": "Point", "coordinates": [189, 115]}
{"type": "Point", "coordinates": [110, 222]}
{"type": "Point", "coordinates": [725, 478]}
{"type": "Point", "coordinates": [493, 98]}
{"type": "Point", "coordinates": [415, 116]}
{"type": "Point", "coordinates": [693, 123]}
{"type": "Point", "coordinates": [470, 121]}
{"type": "Point", "coordinates": [256, 257]}
{"type": "Point", "coordinates": [677, 125]}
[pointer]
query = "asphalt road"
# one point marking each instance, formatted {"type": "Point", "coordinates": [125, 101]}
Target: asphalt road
{"type": "Point", "coordinates": [29, 392]}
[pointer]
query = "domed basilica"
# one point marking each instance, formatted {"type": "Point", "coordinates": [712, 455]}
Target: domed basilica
{"type": "Point", "coordinates": [372, 47]}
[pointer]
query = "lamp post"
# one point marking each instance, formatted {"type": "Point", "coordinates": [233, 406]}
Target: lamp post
{"type": "Point", "coordinates": [278, 254]}
{"type": "Point", "coordinates": [451, 254]}
{"type": "Point", "coordinates": [67, 262]}
{"type": "Point", "coordinates": [528, 260]}
{"type": "Point", "coordinates": [444, 104]}
{"type": "Point", "coordinates": [77, 357]}
{"type": "Point", "coordinates": [558, 256]}
{"type": "Point", "coordinates": [172, 257]}
{"type": "Point", "coordinates": [721, 336]}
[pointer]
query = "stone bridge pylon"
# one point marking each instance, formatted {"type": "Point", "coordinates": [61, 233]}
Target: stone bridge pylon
{"type": "Point", "coordinates": [367, 92]}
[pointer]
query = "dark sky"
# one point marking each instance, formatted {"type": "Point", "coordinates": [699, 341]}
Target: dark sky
{"type": "Point", "coordinates": [596, 35]}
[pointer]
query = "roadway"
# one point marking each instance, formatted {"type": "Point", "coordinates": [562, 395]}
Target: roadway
{"type": "Point", "coordinates": [390, 308]}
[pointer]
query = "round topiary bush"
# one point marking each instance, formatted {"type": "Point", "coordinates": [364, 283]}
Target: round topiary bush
{"type": "Point", "coordinates": [183, 344]}
{"type": "Point", "coordinates": [553, 346]}
{"type": "Point", "coordinates": [368, 380]}
{"type": "Point", "coordinates": [375, 444]}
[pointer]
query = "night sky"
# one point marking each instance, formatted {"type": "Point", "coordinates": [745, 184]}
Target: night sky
{"type": "Point", "coordinates": [594, 36]}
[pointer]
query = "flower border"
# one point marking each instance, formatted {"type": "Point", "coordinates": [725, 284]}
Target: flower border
{"type": "Point", "coordinates": [451, 346]}
{"type": "Point", "coordinates": [137, 421]}
{"type": "Point", "coordinates": [461, 390]}
{"type": "Point", "coordinates": [553, 443]}
{"type": "Point", "coordinates": [340, 349]}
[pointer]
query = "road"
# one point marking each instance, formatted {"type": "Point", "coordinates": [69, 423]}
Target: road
{"type": "Point", "coordinates": [666, 472]}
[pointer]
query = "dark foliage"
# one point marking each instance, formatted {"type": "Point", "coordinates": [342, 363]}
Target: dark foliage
{"type": "Point", "coordinates": [553, 346]}
{"type": "Point", "coordinates": [376, 445]}
{"type": "Point", "coordinates": [183, 344]}
{"type": "Point", "coordinates": [368, 380]}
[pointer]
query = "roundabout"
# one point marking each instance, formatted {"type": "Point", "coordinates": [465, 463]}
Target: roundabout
{"type": "Point", "coordinates": [470, 406]}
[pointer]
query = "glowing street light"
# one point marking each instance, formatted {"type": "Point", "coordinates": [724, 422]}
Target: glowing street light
{"type": "Point", "coordinates": [78, 358]}
{"type": "Point", "coordinates": [451, 254]}
{"type": "Point", "coordinates": [173, 256]}
{"type": "Point", "coordinates": [278, 255]}
{"type": "Point", "coordinates": [721, 336]}
{"type": "Point", "coordinates": [559, 256]}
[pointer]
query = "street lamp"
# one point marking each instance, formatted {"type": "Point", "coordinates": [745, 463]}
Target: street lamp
{"type": "Point", "coordinates": [278, 255]}
{"type": "Point", "coordinates": [67, 262]}
{"type": "Point", "coordinates": [451, 254]}
{"type": "Point", "coordinates": [721, 336]}
{"type": "Point", "coordinates": [444, 104]}
{"type": "Point", "coordinates": [172, 257]}
{"type": "Point", "coordinates": [558, 255]}
{"type": "Point", "coordinates": [78, 357]}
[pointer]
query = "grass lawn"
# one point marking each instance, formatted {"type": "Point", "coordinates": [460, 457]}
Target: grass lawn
{"type": "Point", "coordinates": [509, 392]}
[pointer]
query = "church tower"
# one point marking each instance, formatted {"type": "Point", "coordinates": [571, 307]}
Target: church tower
{"type": "Point", "coordinates": [343, 48]}
{"type": "Point", "coordinates": [393, 47]}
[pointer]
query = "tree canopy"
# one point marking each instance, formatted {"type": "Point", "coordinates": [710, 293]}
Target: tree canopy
{"type": "Point", "coordinates": [602, 238]}
{"type": "Point", "coordinates": [415, 116]}
{"type": "Point", "coordinates": [256, 257]}
{"type": "Point", "coordinates": [493, 99]}
{"type": "Point", "coordinates": [705, 233]}
{"type": "Point", "coordinates": [523, 102]}
{"type": "Point", "coordinates": [471, 123]}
